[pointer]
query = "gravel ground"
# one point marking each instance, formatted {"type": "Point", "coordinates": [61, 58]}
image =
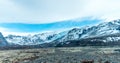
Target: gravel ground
{"type": "Point", "coordinates": [61, 55]}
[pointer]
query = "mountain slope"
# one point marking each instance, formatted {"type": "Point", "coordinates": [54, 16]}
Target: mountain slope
{"type": "Point", "coordinates": [107, 40]}
{"type": "Point", "coordinates": [34, 39]}
{"type": "Point", "coordinates": [76, 34]}
{"type": "Point", "coordinates": [3, 41]}
{"type": "Point", "coordinates": [93, 31]}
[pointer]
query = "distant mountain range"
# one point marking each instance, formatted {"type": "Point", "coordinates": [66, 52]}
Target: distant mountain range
{"type": "Point", "coordinates": [103, 34]}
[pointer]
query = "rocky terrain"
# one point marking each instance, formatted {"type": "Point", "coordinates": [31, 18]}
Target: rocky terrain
{"type": "Point", "coordinates": [61, 55]}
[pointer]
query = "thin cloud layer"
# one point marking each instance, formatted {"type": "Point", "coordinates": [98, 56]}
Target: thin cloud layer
{"type": "Point", "coordinates": [46, 11]}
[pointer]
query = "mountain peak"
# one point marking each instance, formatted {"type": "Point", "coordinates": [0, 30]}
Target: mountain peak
{"type": "Point", "coordinates": [3, 41]}
{"type": "Point", "coordinates": [116, 21]}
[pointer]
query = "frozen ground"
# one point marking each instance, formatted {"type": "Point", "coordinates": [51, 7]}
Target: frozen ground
{"type": "Point", "coordinates": [61, 55]}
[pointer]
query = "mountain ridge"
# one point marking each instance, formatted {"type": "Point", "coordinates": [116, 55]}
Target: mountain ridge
{"type": "Point", "coordinates": [102, 29]}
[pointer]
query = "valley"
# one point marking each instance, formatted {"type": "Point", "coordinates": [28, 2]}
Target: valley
{"type": "Point", "coordinates": [99, 44]}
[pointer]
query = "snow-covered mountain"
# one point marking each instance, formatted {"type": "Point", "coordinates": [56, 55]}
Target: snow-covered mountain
{"type": "Point", "coordinates": [3, 41]}
{"type": "Point", "coordinates": [34, 39]}
{"type": "Point", "coordinates": [100, 30]}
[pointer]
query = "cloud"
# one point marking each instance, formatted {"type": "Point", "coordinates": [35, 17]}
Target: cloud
{"type": "Point", "coordinates": [46, 11]}
{"type": "Point", "coordinates": [7, 31]}
{"type": "Point", "coordinates": [4, 31]}
{"type": "Point", "coordinates": [105, 9]}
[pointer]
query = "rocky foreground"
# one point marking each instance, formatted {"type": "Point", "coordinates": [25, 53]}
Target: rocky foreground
{"type": "Point", "coordinates": [61, 55]}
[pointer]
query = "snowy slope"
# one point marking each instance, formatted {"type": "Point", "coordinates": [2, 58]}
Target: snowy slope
{"type": "Point", "coordinates": [34, 39]}
{"type": "Point", "coordinates": [102, 29]}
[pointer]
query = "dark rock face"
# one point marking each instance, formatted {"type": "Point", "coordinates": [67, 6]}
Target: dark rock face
{"type": "Point", "coordinates": [3, 41]}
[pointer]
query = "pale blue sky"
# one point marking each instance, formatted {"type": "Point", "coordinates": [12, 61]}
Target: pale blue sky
{"type": "Point", "coordinates": [18, 28]}
{"type": "Point", "coordinates": [21, 27]}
